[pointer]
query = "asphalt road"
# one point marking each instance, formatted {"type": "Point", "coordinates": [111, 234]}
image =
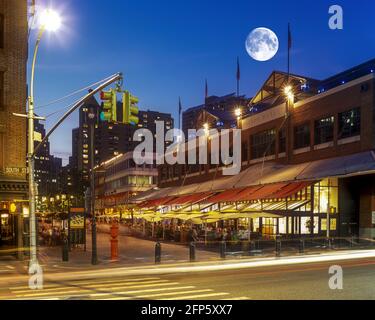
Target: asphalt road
{"type": "Point", "coordinates": [301, 282]}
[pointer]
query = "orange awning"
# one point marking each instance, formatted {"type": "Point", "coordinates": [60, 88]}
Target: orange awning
{"type": "Point", "coordinates": [262, 192]}
{"type": "Point", "coordinates": [225, 196]}
{"type": "Point", "coordinates": [156, 202]}
{"type": "Point", "coordinates": [290, 189]}
{"type": "Point", "coordinates": [189, 199]}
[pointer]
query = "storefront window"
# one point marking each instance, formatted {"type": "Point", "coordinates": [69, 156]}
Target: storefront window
{"type": "Point", "coordinates": [282, 225]}
{"type": "Point", "coordinates": [256, 225]}
{"type": "Point", "coordinates": [326, 194]}
{"type": "Point", "coordinates": [333, 224]}
{"type": "Point", "coordinates": [269, 226]}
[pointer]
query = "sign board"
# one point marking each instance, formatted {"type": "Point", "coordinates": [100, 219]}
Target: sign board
{"type": "Point", "coordinates": [37, 136]}
{"type": "Point", "coordinates": [15, 171]}
{"type": "Point", "coordinates": [77, 226]}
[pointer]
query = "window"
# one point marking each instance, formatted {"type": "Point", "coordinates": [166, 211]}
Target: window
{"type": "Point", "coordinates": [350, 123]}
{"type": "Point", "coordinates": [2, 107]}
{"type": "Point", "coordinates": [302, 136]}
{"type": "Point", "coordinates": [245, 151]}
{"type": "Point", "coordinates": [263, 144]}
{"type": "Point", "coordinates": [2, 31]}
{"type": "Point", "coordinates": [326, 194]}
{"type": "Point", "coordinates": [282, 140]}
{"type": "Point", "coordinates": [324, 130]}
{"type": "Point", "coordinates": [1, 152]}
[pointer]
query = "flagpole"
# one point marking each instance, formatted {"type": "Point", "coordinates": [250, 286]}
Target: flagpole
{"type": "Point", "coordinates": [179, 112]}
{"type": "Point", "coordinates": [238, 77]}
{"type": "Point", "coordinates": [289, 47]}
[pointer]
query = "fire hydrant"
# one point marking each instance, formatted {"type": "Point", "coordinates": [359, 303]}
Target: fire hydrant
{"type": "Point", "coordinates": [114, 241]}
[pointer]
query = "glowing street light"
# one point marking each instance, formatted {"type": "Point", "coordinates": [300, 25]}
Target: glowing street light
{"type": "Point", "coordinates": [288, 90]}
{"type": "Point", "coordinates": [238, 112]}
{"type": "Point", "coordinates": [50, 20]}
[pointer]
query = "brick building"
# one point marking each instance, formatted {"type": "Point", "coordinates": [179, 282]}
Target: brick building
{"type": "Point", "coordinates": [308, 160]}
{"type": "Point", "coordinates": [13, 60]}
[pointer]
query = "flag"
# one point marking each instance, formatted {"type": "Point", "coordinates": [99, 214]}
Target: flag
{"type": "Point", "coordinates": [206, 89]}
{"type": "Point", "coordinates": [238, 70]}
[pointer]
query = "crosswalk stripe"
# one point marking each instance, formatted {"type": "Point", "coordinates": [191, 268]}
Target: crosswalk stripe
{"type": "Point", "coordinates": [143, 296]}
{"type": "Point", "coordinates": [199, 296]}
{"type": "Point", "coordinates": [63, 293]}
{"type": "Point", "coordinates": [88, 282]}
{"type": "Point", "coordinates": [140, 291]}
{"type": "Point", "coordinates": [95, 286]}
{"type": "Point", "coordinates": [112, 295]}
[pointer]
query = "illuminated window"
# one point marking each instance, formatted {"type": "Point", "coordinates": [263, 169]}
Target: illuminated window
{"type": "Point", "coordinates": [324, 130]}
{"type": "Point", "coordinates": [350, 123]}
{"type": "Point", "coordinates": [326, 193]}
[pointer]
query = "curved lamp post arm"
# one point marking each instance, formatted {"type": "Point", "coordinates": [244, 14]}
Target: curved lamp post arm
{"type": "Point", "coordinates": [114, 78]}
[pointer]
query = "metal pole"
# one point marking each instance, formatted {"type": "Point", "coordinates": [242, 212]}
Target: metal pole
{"type": "Point", "coordinates": [116, 77]}
{"type": "Point", "coordinates": [328, 211]}
{"type": "Point", "coordinates": [30, 156]}
{"type": "Point", "coordinates": [94, 254]}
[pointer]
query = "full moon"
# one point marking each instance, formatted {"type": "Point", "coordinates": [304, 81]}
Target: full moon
{"type": "Point", "coordinates": [262, 44]}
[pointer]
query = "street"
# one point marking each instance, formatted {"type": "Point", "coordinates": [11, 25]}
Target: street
{"type": "Point", "coordinates": [283, 282]}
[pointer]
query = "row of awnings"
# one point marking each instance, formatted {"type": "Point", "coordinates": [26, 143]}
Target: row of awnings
{"type": "Point", "coordinates": [253, 193]}
{"type": "Point", "coordinates": [197, 217]}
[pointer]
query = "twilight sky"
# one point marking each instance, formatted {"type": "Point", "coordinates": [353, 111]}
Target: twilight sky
{"type": "Point", "coordinates": [167, 48]}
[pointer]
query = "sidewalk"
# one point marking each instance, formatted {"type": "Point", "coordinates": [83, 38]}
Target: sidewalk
{"type": "Point", "coordinates": [132, 252]}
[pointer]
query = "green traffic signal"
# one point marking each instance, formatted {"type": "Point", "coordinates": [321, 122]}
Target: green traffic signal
{"type": "Point", "coordinates": [130, 109]}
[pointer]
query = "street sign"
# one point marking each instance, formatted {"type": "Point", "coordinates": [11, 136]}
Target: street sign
{"type": "Point", "coordinates": [77, 226]}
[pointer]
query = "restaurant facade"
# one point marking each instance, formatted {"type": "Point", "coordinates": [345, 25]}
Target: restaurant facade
{"type": "Point", "coordinates": [308, 164]}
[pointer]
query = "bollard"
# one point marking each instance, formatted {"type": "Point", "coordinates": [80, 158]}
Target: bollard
{"type": "Point", "coordinates": [158, 253]}
{"type": "Point", "coordinates": [114, 242]}
{"type": "Point", "coordinates": [252, 248]}
{"type": "Point", "coordinates": [329, 244]}
{"type": "Point", "coordinates": [278, 246]}
{"type": "Point", "coordinates": [65, 250]}
{"type": "Point", "coordinates": [223, 249]}
{"type": "Point", "coordinates": [302, 246]}
{"type": "Point", "coordinates": [192, 252]}
{"type": "Point", "coordinates": [246, 247]}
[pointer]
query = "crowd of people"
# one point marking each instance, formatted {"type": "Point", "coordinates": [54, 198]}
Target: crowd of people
{"type": "Point", "coordinates": [50, 236]}
{"type": "Point", "coordinates": [187, 232]}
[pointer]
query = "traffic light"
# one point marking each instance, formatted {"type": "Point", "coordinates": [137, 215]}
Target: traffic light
{"type": "Point", "coordinates": [109, 99]}
{"type": "Point", "coordinates": [130, 109]}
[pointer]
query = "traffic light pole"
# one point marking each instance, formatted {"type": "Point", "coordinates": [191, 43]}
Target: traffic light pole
{"type": "Point", "coordinates": [32, 152]}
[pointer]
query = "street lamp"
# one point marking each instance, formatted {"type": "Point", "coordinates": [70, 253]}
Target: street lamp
{"type": "Point", "coordinates": [49, 20]}
{"type": "Point", "coordinates": [238, 113]}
